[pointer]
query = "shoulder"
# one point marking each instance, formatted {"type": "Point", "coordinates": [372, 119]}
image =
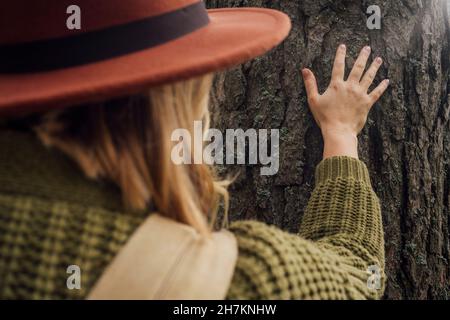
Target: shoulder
{"type": "Point", "coordinates": [40, 238]}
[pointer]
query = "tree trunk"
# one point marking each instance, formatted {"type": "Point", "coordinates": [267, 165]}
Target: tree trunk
{"type": "Point", "coordinates": [405, 144]}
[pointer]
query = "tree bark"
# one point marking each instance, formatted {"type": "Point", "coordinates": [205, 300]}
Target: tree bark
{"type": "Point", "coordinates": [405, 144]}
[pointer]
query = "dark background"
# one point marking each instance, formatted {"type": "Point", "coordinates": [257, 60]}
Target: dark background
{"type": "Point", "coordinates": [406, 142]}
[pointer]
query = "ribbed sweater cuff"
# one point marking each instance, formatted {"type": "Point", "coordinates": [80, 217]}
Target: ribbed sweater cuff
{"type": "Point", "coordinates": [341, 167]}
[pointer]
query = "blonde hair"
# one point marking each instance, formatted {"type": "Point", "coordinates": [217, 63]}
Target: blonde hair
{"type": "Point", "coordinates": [128, 141]}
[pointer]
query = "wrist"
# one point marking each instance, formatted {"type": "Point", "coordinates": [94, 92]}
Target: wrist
{"type": "Point", "coordinates": [338, 131]}
{"type": "Point", "coordinates": [340, 143]}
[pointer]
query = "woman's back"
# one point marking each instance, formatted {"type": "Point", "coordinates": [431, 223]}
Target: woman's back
{"type": "Point", "coordinates": [53, 217]}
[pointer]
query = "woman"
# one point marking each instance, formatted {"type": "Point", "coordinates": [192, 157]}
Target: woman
{"type": "Point", "coordinates": [85, 152]}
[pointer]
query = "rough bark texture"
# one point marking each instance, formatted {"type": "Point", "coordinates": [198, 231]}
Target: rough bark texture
{"type": "Point", "coordinates": [406, 143]}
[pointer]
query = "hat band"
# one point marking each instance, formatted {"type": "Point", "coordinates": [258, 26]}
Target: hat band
{"type": "Point", "coordinates": [104, 44]}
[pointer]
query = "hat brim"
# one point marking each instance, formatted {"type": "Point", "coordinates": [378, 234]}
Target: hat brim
{"type": "Point", "coordinates": [233, 36]}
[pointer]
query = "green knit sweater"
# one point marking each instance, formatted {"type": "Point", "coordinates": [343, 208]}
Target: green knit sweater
{"type": "Point", "coordinates": [51, 217]}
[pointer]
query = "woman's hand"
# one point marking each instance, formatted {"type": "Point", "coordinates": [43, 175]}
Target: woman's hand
{"type": "Point", "coordinates": [341, 111]}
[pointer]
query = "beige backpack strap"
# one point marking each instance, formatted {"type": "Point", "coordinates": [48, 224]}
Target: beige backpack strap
{"type": "Point", "coordinates": [165, 259]}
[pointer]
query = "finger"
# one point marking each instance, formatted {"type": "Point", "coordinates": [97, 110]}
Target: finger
{"type": "Point", "coordinates": [339, 63]}
{"type": "Point", "coordinates": [378, 91]}
{"type": "Point", "coordinates": [310, 84]}
{"type": "Point", "coordinates": [360, 65]}
{"type": "Point", "coordinates": [371, 73]}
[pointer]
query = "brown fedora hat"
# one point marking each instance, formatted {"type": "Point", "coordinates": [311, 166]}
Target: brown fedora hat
{"type": "Point", "coordinates": [121, 47]}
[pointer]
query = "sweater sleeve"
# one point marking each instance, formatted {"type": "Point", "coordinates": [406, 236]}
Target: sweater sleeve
{"type": "Point", "coordinates": [338, 253]}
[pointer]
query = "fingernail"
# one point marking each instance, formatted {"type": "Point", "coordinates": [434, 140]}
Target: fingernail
{"type": "Point", "coordinates": [367, 48]}
{"type": "Point", "coordinates": [304, 72]}
{"type": "Point", "coordinates": [387, 81]}
{"type": "Point", "coordinates": [342, 46]}
{"type": "Point", "coordinates": [379, 60]}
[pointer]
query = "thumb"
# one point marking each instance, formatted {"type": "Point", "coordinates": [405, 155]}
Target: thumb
{"type": "Point", "coordinates": [310, 84]}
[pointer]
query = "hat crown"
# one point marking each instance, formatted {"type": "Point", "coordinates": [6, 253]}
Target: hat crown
{"type": "Point", "coordinates": [24, 21]}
